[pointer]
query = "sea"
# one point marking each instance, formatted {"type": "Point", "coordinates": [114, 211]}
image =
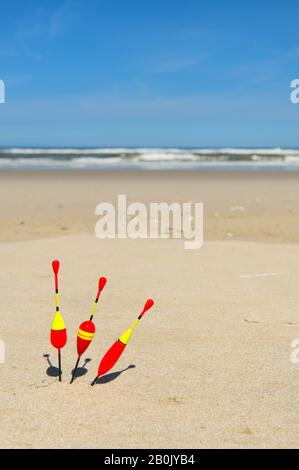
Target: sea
{"type": "Point", "coordinates": [171, 158]}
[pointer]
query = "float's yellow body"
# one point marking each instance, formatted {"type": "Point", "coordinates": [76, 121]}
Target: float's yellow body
{"type": "Point", "coordinates": [58, 322]}
{"type": "Point", "coordinates": [126, 336]}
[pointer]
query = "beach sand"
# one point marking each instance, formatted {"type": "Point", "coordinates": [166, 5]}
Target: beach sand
{"type": "Point", "coordinates": [212, 358]}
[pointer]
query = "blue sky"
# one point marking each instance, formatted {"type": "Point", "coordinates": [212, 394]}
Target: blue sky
{"type": "Point", "coordinates": [149, 73]}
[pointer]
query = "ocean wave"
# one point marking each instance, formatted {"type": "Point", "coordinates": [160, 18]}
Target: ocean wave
{"type": "Point", "coordinates": [165, 156]}
{"type": "Point", "coordinates": [150, 153]}
{"type": "Point", "coordinates": [148, 158]}
{"type": "Point", "coordinates": [63, 151]}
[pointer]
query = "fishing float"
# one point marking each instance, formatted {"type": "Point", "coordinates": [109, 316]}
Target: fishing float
{"type": "Point", "coordinates": [58, 334]}
{"type": "Point", "coordinates": [87, 329]}
{"type": "Point", "coordinates": [116, 350]}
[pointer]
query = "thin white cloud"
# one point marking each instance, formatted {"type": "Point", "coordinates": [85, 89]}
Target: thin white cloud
{"type": "Point", "coordinates": [60, 19]}
{"type": "Point", "coordinates": [44, 25]}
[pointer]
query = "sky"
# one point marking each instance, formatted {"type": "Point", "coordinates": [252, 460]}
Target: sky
{"type": "Point", "coordinates": [153, 73]}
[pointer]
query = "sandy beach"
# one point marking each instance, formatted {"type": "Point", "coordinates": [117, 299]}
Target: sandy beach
{"type": "Point", "coordinates": [212, 358]}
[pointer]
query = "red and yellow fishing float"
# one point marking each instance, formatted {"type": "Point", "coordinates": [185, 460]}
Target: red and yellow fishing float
{"type": "Point", "coordinates": [87, 329]}
{"type": "Point", "coordinates": [116, 350]}
{"type": "Point", "coordinates": [85, 335]}
{"type": "Point", "coordinates": [58, 334]}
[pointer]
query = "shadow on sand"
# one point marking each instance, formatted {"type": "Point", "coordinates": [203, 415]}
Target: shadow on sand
{"type": "Point", "coordinates": [53, 371]}
{"type": "Point", "coordinates": [109, 377]}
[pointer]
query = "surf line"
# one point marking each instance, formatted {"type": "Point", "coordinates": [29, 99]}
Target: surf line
{"type": "Point", "coordinates": [158, 220]}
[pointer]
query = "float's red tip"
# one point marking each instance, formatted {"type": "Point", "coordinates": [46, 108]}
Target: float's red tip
{"type": "Point", "coordinates": [55, 266]}
{"type": "Point", "coordinates": [148, 304]}
{"type": "Point", "coordinates": [102, 283]}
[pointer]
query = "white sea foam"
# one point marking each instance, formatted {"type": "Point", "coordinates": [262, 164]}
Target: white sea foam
{"type": "Point", "coordinates": [246, 151]}
{"type": "Point", "coordinates": [165, 156]}
{"type": "Point", "coordinates": [64, 151]}
{"type": "Point", "coordinates": [155, 153]}
{"type": "Point", "coordinates": [151, 158]}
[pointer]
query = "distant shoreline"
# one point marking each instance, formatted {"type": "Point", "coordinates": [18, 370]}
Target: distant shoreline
{"type": "Point", "coordinates": [160, 159]}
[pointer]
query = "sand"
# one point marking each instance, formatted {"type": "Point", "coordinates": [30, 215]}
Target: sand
{"type": "Point", "coordinates": [257, 207]}
{"type": "Point", "coordinates": [212, 358]}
